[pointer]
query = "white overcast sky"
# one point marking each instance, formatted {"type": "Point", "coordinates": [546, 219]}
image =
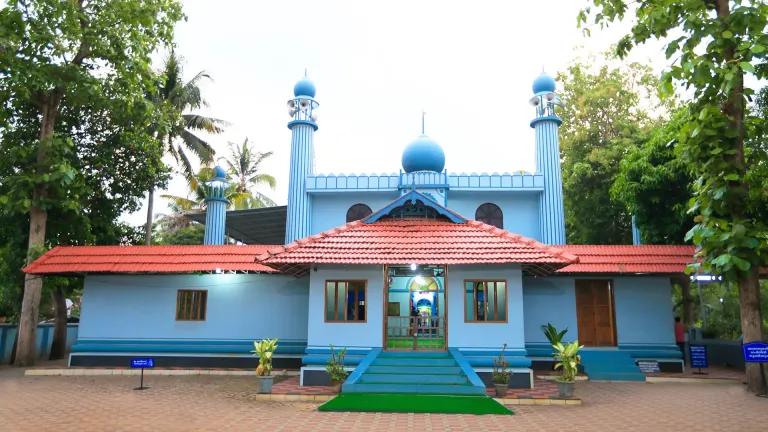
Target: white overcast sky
{"type": "Point", "coordinates": [376, 66]}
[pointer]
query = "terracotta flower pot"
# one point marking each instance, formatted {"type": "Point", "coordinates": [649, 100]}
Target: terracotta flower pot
{"type": "Point", "coordinates": [501, 389]}
{"type": "Point", "coordinates": [336, 386]}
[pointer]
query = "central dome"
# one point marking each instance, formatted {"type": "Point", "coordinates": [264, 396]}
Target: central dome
{"type": "Point", "coordinates": [423, 154]}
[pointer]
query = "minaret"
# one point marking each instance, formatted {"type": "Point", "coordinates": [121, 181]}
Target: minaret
{"type": "Point", "coordinates": [302, 109]}
{"type": "Point", "coordinates": [216, 208]}
{"type": "Point", "coordinates": [546, 124]}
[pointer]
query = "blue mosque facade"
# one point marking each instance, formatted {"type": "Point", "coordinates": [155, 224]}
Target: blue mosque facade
{"type": "Point", "coordinates": [420, 268]}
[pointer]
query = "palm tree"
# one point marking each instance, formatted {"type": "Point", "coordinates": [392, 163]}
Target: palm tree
{"type": "Point", "coordinates": [244, 165]}
{"type": "Point", "coordinates": [179, 97]}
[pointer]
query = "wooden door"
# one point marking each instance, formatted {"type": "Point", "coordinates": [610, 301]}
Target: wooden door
{"type": "Point", "coordinates": [595, 314]}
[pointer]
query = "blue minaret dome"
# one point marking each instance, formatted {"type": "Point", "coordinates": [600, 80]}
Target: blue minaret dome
{"type": "Point", "coordinates": [543, 84]}
{"type": "Point", "coordinates": [219, 173]}
{"type": "Point", "coordinates": [305, 88]}
{"type": "Point", "coordinates": [423, 154]}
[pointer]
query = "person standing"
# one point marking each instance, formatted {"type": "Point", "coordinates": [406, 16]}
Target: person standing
{"type": "Point", "coordinates": [680, 336]}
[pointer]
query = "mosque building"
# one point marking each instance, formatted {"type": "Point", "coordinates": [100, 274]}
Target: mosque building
{"type": "Point", "coordinates": [424, 276]}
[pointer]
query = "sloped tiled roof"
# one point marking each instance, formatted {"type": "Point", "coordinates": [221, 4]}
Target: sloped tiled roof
{"type": "Point", "coordinates": [418, 241]}
{"type": "Point", "coordinates": [617, 259]}
{"type": "Point", "coordinates": [149, 259]}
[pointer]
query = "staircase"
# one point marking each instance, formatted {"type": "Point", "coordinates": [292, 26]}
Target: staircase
{"type": "Point", "coordinates": [413, 372]}
{"type": "Point", "coordinates": [610, 365]}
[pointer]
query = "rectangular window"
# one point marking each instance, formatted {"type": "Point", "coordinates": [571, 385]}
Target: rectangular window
{"type": "Point", "coordinates": [191, 305]}
{"type": "Point", "coordinates": [485, 301]}
{"type": "Point", "coordinates": [344, 301]}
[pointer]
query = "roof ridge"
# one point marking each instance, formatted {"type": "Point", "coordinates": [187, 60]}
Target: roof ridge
{"type": "Point", "coordinates": [559, 253]}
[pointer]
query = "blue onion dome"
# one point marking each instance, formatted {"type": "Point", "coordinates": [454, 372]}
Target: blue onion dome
{"type": "Point", "coordinates": [423, 154]}
{"type": "Point", "coordinates": [543, 84]}
{"type": "Point", "coordinates": [218, 172]}
{"type": "Point", "coordinates": [304, 87]}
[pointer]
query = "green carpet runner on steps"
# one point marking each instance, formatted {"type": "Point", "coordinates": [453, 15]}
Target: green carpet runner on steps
{"type": "Point", "coordinates": [414, 403]}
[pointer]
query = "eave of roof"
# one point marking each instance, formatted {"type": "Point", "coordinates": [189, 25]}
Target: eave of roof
{"type": "Point", "coordinates": [79, 260]}
{"type": "Point", "coordinates": [629, 259]}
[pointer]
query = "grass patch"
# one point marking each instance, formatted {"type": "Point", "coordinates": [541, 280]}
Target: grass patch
{"type": "Point", "coordinates": [407, 343]}
{"type": "Point", "coordinates": [414, 403]}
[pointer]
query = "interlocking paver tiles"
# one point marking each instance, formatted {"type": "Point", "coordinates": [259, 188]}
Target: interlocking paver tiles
{"type": "Point", "coordinates": [223, 403]}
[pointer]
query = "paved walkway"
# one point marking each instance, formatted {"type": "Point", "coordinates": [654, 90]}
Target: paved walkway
{"type": "Point", "coordinates": [192, 403]}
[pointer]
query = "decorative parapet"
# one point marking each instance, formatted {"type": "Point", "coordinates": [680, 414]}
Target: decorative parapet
{"type": "Point", "coordinates": [425, 179]}
{"type": "Point", "coordinates": [352, 182]}
{"type": "Point", "coordinates": [495, 181]}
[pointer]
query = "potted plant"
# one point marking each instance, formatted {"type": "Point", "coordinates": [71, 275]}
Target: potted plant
{"type": "Point", "coordinates": [335, 368]}
{"type": "Point", "coordinates": [568, 359]}
{"type": "Point", "coordinates": [500, 373]}
{"type": "Point", "coordinates": [552, 335]}
{"type": "Point", "coordinates": [265, 349]}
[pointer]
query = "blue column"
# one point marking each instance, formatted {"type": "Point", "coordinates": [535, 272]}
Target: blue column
{"type": "Point", "coordinates": [299, 222]}
{"type": "Point", "coordinates": [215, 221]}
{"type": "Point", "coordinates": [551, 213]}
{"type": "Point", "coordinates": [216, 208]}
{"type": "Point", "coordinates": [635, 233]}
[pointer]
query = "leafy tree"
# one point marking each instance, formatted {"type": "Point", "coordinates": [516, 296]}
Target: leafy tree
{"type": "Point", "coordinates": [715, 44]}
{"type": "Point", "coordinates": [654, 185]}
{"type": "Point", "coordinates": [244, 165]}
{"type": "Point", "coordinates": [189, 235]}
{"type": "Point", "coordinates": [604, 120]}
{"type": "Point", "coordinates": [84, 53]}
{"type": "Point", "coordinates": [179, 97]}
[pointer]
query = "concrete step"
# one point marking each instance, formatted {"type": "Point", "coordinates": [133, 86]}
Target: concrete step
{"type": "Point", "coordinates": [412, 388]}
{"type": "Point", "coordinates": [420, 354]}
{"type": "Point", "coordinates": [415, 370]}
{"type": "Point", "coordinates": [370, 378]}
{"type": "Point", "coordinates": [409, 362]}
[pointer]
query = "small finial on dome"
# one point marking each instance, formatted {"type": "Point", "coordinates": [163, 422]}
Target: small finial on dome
{"type": "Point", "coordinates": [423, 114]}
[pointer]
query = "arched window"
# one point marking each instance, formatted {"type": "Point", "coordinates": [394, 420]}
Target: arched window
{"type": "Point", "coordinates": [491, 214]}
{"type": "Point", "coordinates": [358, 211]}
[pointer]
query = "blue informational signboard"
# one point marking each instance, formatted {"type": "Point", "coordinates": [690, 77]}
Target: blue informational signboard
{"type": "Point", "coordinates": [142, 363]}
{"type": "Point", "coordinates": [755, 352]}
{"type": "Point", "coordinates": [698, 356]}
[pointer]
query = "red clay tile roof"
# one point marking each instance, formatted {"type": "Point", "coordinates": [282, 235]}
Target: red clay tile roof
{"type": "Point", "coordinates": [617, 259]}
{"type": "Point", "coordinates": [149, 259]}
{"type": "Point", "coordinates": [418, 241]}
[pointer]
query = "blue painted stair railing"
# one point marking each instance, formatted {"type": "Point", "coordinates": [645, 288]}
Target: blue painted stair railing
{"type": "Point", "coordinates": [610, 365]}
{"type": "Point", "coordinates": [412, 372]}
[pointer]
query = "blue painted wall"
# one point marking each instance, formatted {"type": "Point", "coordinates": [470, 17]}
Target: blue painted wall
{"type": "Point", "coordinates": [485, 335]}
{"type": "Point", "coordinates": [643, 306]}
{"type": "Point", "coordinates": [550, 300]}
{"type": "Point", "coordinates": [644, 312]}
{"type": "Point", "coordinates": [239, 307]}
{"type": "Point", "coordinates": [349, 334]}
{"type": "Point", "coordinates": [329, 209]}
{"type": "Point", "coordinates": [43, 340]}
{"type": "Point", "coordinates": [521, 209]}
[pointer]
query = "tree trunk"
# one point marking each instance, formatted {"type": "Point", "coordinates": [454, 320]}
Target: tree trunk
{"type": "Point", "coordinates": [752, 327]}
{"type": "Point", "coordinates": [686, 306]}
{"type": "Point", "coordinates": [749, 285]}
{"type": "Point", "coordinates": [59, 346]}
{"type": "Point", "coordinates": [150, 219]}
{"type": "Point", "coordinates": [38, 217]}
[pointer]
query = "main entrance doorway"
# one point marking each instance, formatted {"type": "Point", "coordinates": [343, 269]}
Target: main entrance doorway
{"type": "Point", "coordinates": [595, 313]}
{"type": "Point", "coordinates": [415, 310]}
